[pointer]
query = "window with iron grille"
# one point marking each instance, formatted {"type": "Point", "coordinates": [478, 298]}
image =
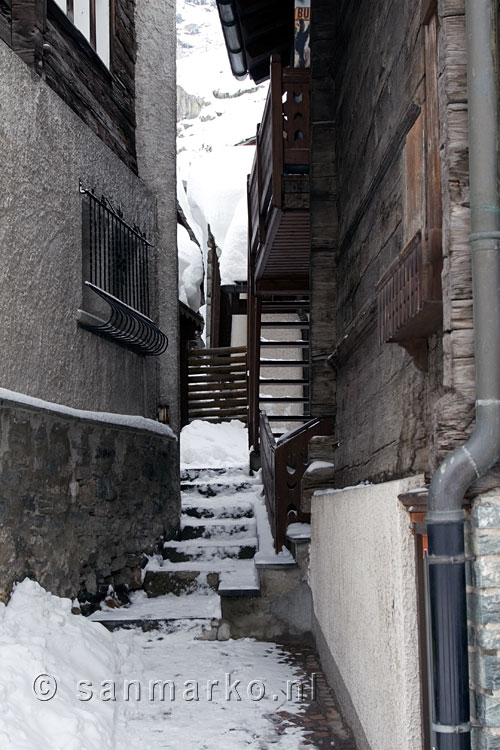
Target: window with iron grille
{"type": "Point", "coordinates": [116, 283]}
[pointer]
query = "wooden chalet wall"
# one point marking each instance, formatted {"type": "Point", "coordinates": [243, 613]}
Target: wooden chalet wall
{"type": "Point", "coordinates": [41, 34]}
{"type": "Point", "coordinates": [5, 20]}
{"type": "Point", "coordinates": [384, 404]}
{"type": "Point", "coordinates": [324, 224]}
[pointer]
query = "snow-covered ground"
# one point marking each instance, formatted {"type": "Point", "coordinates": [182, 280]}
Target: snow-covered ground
{"type": "Point", "coordinates": [219, 113]}
{"type": "Point", "coordinates": [206, 445]}
{"type": "Point", "coordinates": [66, 683]}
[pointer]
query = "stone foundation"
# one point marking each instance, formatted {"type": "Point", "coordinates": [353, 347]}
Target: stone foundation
{"type": "Point", "coordinates": [81, 500]}
{"type": "Point", "coordinates": [483, 542]}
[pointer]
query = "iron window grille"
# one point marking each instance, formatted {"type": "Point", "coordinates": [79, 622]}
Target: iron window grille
{"type": "Point", "coordinates": [116, 294]}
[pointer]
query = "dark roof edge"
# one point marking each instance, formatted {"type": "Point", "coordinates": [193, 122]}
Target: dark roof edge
{"type": "Point", "coordinates": [233, 39]}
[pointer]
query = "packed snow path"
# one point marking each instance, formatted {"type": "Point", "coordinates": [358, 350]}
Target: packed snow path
{"type": "Point", "coordinates": [212, 691]}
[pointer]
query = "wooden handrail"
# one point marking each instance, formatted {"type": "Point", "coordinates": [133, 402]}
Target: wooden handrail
{"type": "Point", "coordinates": [283, 466]}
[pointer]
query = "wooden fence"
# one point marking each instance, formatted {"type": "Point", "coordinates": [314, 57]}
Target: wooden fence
{"type": "Point", "coordinates": [217, 384]}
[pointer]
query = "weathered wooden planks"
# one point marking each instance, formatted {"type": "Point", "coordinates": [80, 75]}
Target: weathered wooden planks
{"type": "Point", "coordinates": [5, 21]}
{"type": "Point", "coordinates": [217, 384]}
{"type": "Point", "coordinates": [43, 36]}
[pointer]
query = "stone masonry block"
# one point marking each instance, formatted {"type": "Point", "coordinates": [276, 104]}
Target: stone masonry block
{"type": "Point", "coordinates": [488, 710]}
{"type": "Point", "coordinates": [485, 572]}
{"type": "Point", "coordinates": [483, 608]}
{"type": "Point", "coordinates": [485, 739]}
{"type": "Point", "coordinates": [488, 638]}
{"type": "Point", "coordinates": [484, 542]}
{"type": "Point", "coordinates": [486, 516]}
{"type": "Point", "coordinates": [485, 670]}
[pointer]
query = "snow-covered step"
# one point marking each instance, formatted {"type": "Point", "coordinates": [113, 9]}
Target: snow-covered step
{"type": "Point", "coordinates": [208, 528]}
{"type": "Point", "coordinates": [208, 549]}
{"type": "Point", "coordinates": [193, 509]}
{"type": "Point", "coordinates": [154, 612]}
{"type": "Point", "coordinates": [207, 474]}
{"type": "Point", "coordinates": [239, 583]}
{"type": "Point", "coordinates": [213, 489]}
{"type": "Point", "coordinates": [167, 581]}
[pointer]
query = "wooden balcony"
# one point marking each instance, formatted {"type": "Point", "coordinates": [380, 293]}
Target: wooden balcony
{"type": "Point", "coordinates": [278, 187]}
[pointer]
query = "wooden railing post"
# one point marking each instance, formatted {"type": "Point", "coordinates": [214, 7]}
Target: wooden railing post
{"type": "Point", "coordinates": [276, 89]}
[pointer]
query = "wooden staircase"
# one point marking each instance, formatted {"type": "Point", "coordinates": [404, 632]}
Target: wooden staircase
{"type": "Point", "coordinates": [279, 368]}
{"type": "Point", "coordinates": [217, 384]}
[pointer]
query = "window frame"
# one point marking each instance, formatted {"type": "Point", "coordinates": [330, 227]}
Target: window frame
{"type": "Point", "coordinates": [92, 38]}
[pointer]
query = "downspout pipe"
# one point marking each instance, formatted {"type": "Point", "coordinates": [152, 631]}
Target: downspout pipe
{"type": "Point", "coordinates": [445, 517]}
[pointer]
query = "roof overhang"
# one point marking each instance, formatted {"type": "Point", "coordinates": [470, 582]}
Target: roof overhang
{"type": "Point", "coordinates": [253, 31]}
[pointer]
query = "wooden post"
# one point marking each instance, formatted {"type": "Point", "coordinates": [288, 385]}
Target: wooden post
{"type": "Point", "coordinates": [276, 90]}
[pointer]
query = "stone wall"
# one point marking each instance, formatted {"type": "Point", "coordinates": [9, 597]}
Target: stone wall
{"type": "Point", "coordinates": [483, 542]}
{"type": "Point", "coordinates": [81, 500]}
{"type": "Point", "coordinates": [362, 577]}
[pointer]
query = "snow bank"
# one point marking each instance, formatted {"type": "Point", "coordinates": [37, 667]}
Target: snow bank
{"type": "Point", "coordinates": [125, 420]}
{"type": "Point", "coordinates": [233, 261]}
{"type": "Point", "coordinates": [206, 445]}
{"type": "Point", "coordinates": [40, 636]}
{"type": "Point", "coordinates": [191, 269]}
{"type": "Point", "coordinates": [216, 186]}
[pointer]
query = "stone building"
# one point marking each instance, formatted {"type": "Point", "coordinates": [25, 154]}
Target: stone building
{"type": "Point", "coordinates": [359, 225]}
{"type": "Point", "coordinates": [88, 290]}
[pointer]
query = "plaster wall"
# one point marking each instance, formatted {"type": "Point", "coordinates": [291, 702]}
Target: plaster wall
{"type": "Point", "coordinates": [46, 151]}
{"type": "Point", "coordinates": [362, 577]}
{"type": "Point", "coordinates": [156, 160]}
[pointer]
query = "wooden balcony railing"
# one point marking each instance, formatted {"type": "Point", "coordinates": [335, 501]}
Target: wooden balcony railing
{"type": "Point", "coordinates": [283, 145]}
{"type": "Point", "coordinates": [409, 298]}
{"type": "Point", "coordinates": [283, 465]}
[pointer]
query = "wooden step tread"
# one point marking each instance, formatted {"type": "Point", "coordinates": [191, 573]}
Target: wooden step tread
{"type": "Point", "coordinates": [289, 418]}
{"type": "Point", "coordinates": [283, 400]}
{"type": "Point", "coordinates": [227, 350]}
{"type": "Point", "coordinates": [302, 344]}
{"type": "Point", "coordinates": [284, 381]}
{"type": "Point", "coordinates": [284, 324]}
{"type": "Point", "coordinates": [284, 363]}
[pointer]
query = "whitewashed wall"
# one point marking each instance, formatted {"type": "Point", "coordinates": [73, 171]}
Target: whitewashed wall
{"type": "Point", "coordinates": [362, 576]}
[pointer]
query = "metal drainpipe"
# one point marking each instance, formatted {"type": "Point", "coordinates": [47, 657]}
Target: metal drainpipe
{"type": "Point", "coordinates": [445, 518]}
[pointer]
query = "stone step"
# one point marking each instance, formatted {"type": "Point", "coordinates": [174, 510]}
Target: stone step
{"type": "Point", "coordinates": [213, 489]}
{"type": "Point", "coordinates": [177, 582]}
{"type": "Point", "coordinates": [209, 528]}
{"type": "Point", "coordinates": [193, 509]}
{"type": "Point", "coordinates": [162, 612]}
{"type": "Point", "coordinates": [229, 577]}
{"type": "Point", "coordinates": [208, 474]}
{"type": "Point", "coordinates": [210, 549]}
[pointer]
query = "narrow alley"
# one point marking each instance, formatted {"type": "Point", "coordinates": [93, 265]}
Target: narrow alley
{"type": "Point", "coordinates": [169, 668]}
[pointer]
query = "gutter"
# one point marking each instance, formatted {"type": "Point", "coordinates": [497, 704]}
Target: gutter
{"type": "Point", "coordinates": [231, 28]}
{"type": "Point", "coordinates": [445, 517]}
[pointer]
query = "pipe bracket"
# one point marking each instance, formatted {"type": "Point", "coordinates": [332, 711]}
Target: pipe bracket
{"type": "Point", "coordinates": [480, 236]}
{"type": "Point", "coordinates": [451, 729]}
{"type": "Point", "coordinates": [447, 559]}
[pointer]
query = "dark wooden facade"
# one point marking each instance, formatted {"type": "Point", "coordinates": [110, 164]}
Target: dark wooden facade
{"type": "Point", "coordinates": [42, 35]}
{"type": "Point", "coordinates": [376, 238]}
{"type": "Point", "coordinates": [279, 248]}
